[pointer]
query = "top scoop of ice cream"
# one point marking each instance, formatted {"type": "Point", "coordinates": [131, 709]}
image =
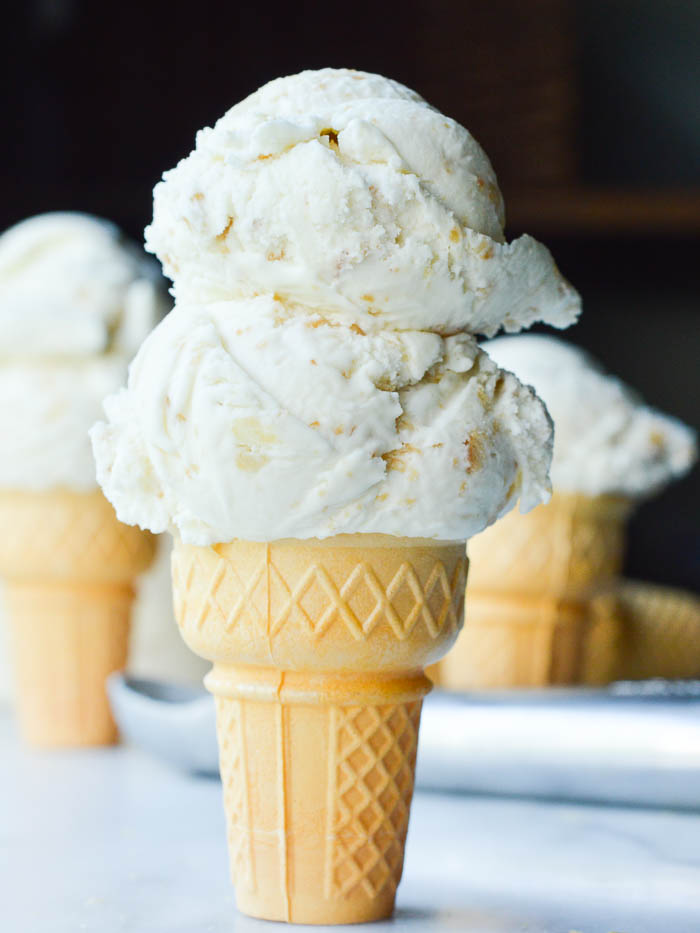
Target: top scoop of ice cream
{"type": "Point", "coordinates": [606, 440]}
{"type": "Point", "coordinates": [70, 284]}
{"type": "Point", "coordinates": [346, 193]}
{"type": "Point", "coordinates": [76, 300]}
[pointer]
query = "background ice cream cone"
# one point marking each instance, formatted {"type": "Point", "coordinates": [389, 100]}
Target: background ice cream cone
{"type": "Point", "coordinates": [566, 548]}
{"type": "Point", "coordinates": [601, 643]}
{"type": "Point", "coordinates": [639, 630]}
{"type": "Point", "coordinates": [514, 641]}
{"type": "Point", "coordinates": [68, 566]}
{"type": "Point", "coordinates": [318, 650]}
{"type": "Point", "coordinates": [530, 581]}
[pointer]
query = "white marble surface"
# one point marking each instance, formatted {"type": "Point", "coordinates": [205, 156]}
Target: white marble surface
{"type": "Point", "coordinates": [115, 842]}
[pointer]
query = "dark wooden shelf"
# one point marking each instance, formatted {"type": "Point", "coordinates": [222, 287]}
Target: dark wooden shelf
{"type": "Point", "coordinates": [598, 211]}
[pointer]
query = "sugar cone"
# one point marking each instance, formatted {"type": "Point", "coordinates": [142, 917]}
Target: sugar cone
{"type": "Point", "coordinates": [318, 650]}
{"type": "Point", "coordinates": [640, 630]}
{"type": "Point", "coordinates": [564, 549]}
{"type": "Point", "coordinates": [601, 643]}
{"type": "Point", "coordinates": [531, 579]}
{"type": "Point", "coordinates": [515, 642]}
{"type": "Point", "coordinates": [68, 566]}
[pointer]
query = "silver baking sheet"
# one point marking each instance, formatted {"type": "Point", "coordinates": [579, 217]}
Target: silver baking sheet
{"type": "Point", "coordinates": [632, 743]}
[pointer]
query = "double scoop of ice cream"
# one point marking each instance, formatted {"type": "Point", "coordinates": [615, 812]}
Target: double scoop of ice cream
{"type": "Point", "coordinates": [335, 245]}
{"type": "Point", "coordinates": [607, 441]}
{"type": "Point", "coordinates": [76, 301]}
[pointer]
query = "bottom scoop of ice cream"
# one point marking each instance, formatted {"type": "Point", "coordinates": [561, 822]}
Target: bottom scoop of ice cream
{"type": "Point", "coordinates": [607, 441]}
{"type": "Point", "coordinates": [244, 420]}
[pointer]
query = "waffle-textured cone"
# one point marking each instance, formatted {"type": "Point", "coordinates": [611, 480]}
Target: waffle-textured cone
{"type": "Point", "coordinates": [319, 648]}
{"type": "Point", "coordinates": [530, 580]}
{"type": "Point", "coordinates": [68, 565]}
{"type": "Point", "coordinates": [640, 630]}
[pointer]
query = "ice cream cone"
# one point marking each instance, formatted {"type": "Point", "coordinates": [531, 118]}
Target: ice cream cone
{"type": "Point", "coordinates": [566, 548]}
{"type": "Point", "coordinates": [318, 650]}
{"type": "Point", "coordinates": [68, 566]}
{"type": "Point", "coordinates": [601, 643]}
{"type": "Point", "coordinates": [432, 672]}
{"type": "Point", "coordinates": [531, 579]}
{"type": "Point", "coordinates": [515, 641]}
{"type": "Point", "coordinates": [639, 631]}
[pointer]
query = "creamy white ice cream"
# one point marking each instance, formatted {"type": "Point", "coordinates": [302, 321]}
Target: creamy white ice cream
{"type": "Point", "coordinates": [335, 244]}
{"type": "Point", "coordinates": [247, 420]}
{"type": "Point", "coordinates": [347, 193]}
{"type": "Point", "coordinates": [76, 300]}
{"type": "Point", "coordinates": [606, 440]}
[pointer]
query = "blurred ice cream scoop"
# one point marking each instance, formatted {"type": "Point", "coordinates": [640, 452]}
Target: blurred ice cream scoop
{"type": "Point", "coordinates": [71, 284]}
{"type": "Point", "coordinates": [607, 441]}
{"type": "Point", "coordinates": [76, 300]}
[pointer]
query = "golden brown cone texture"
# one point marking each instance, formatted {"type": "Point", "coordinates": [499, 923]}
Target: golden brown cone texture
{"type": "Point", "coordinates": [68, 565]}
{"type": "Point", "coordinates": [639, 630]}
{"type": "Point", "coordinates": [531, 580]}
{"type": "Point", "coordinates": [319, 649]}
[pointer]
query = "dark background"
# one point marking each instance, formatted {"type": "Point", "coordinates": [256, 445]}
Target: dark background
{"type": "Point", "coordinates": [590, 112]}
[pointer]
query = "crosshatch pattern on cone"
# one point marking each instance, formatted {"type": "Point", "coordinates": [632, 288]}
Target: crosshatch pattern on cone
{"type": "Point", "coordinates": [317, 792]}
{"type": "Point", "coordinates": [641, 630]}
{"type": "Point", "coordinates": [328, 606]}
{"type": "Point", "coordinates": [348, 837]}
